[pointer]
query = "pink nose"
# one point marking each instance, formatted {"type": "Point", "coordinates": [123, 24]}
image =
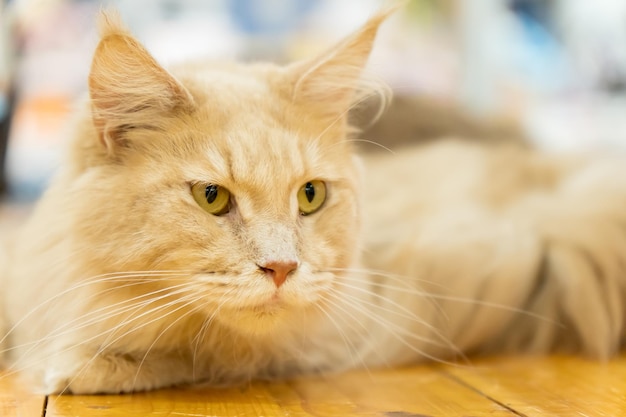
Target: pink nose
{"type": "Point", "coordinates": [278, 270]}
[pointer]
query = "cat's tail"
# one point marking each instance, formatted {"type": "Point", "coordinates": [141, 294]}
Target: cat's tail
{"type": "Point", "coordinates": [581, 281]}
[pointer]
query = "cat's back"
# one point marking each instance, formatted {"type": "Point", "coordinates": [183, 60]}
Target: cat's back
{"type": "Point", "coordinates": [454, 189]}
{"type": "Point", "coordinates": [452, 172]}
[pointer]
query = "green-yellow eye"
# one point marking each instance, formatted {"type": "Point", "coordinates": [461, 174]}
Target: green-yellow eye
{"type": "Point", "coordinates": [311, 196]}
{"type": "Point", "coordinates": [212, 198]}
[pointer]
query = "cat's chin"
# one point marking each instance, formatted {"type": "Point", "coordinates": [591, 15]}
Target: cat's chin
{"type": "Point", "coordinates": [260, 320]}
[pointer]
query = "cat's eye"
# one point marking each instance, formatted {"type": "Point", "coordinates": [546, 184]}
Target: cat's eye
{"type": "Point", "coordinates": [212, 198]}
{"type": "Point", "coordinates": [311, 196]}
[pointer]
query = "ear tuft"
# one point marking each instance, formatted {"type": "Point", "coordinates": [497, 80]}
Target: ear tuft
{"type": "Point", "coordinates": [110, 23]}
{"type": "Point", "coordinates": [128, 88]}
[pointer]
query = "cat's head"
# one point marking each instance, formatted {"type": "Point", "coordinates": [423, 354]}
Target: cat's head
{"type": "Point", "coordinates": [241, 177]}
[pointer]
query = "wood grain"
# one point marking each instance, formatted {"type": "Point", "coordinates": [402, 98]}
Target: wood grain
{"type": "Point", "coordinates": [422, 391]}
{"type": "Point", "coordinates": [17, 399]}
{"type": "Point", "coordinates": [555, 386]}
{"type": "Point", "coordinates": [513, 387]}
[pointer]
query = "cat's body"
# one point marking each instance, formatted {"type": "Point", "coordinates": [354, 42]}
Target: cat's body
{"type": "Point", "coordinates": [124, 280]}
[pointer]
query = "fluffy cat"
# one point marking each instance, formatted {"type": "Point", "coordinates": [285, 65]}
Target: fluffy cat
{"type": "Point", "coordinates": [213, 224]}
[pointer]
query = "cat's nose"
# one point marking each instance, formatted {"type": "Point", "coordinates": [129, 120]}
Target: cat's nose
{"type": "Point", "coordinates": [278, 270]}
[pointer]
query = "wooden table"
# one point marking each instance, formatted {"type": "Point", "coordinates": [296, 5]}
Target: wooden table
{"type": "Point", "coordinates": [554, 386]}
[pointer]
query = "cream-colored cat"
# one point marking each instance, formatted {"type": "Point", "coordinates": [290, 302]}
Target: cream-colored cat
{"type": "Point", "coordinates": [212, 224]}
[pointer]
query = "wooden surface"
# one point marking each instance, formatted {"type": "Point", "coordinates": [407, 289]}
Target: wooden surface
{"type": "Point", "coordinates": [555, 386]}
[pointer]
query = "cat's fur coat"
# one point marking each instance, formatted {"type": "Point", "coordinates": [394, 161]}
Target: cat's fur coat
{"type": "Point", "coordinates": [120, 281]}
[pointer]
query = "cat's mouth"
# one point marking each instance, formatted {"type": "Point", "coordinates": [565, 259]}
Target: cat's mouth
{"type": "Point", "coordinates": [273, 304]}
{"type": "Point", "coordinates": [259, 319]}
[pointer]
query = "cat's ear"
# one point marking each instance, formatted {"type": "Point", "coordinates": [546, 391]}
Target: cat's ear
{"type": "Point", "coordinates": [330, 83]}
{"type": "Point", "coordinates": [127, 87]}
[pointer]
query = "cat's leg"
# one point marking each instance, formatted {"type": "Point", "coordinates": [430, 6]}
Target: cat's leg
{"type": "Point", "coordinates": [455, 280]}
{"type": "Point", "coordinates": [579, 290]}
{"type": "Point", "coordinates": [110, 373]}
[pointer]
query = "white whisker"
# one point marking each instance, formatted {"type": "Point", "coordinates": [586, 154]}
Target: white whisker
{"type": "Point", "coordinates": [466, 300]}
{"type": "Point", "coordinates": [398, 332]}
{"type": "Point", "coordinates": [98, 279]}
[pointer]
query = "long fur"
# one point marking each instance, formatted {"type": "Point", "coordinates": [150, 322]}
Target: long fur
{"type": "Point", "coordinates": [120, 281]}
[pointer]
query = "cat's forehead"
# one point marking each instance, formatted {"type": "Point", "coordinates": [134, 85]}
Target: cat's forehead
{"type": "Point", "coordinates": [240, 130]}
{"type": "Point", "coordinates": [252, 152]}
{"type": "Point", "coordinates": [237, 99]}
{"type": "Point", "coordinates": [223, 85]}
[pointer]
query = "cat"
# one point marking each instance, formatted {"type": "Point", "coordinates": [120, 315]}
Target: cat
{"type": "Point", "coordinates": [213, 224]}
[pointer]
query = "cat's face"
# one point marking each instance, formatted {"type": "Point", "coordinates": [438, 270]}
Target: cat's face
{"type": "Point", "coordinates": [238, 180]}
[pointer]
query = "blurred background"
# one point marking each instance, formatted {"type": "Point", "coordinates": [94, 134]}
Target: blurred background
{"type": "Point", "coordinates": [550, 73]}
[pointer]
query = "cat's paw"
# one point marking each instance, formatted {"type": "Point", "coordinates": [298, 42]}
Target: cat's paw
{"type": "Point", "coordinates": [97, 375]}
{"type": "Point", "coordinates": [55, 382]}
{"type": "Point", "coordinates": [113, 374]}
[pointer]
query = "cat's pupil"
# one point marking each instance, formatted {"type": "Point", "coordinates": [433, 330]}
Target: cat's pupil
{"type": "Point", "coordinates": [309, 191]}
{"type": "Point", "coordinates": [210, 193]}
